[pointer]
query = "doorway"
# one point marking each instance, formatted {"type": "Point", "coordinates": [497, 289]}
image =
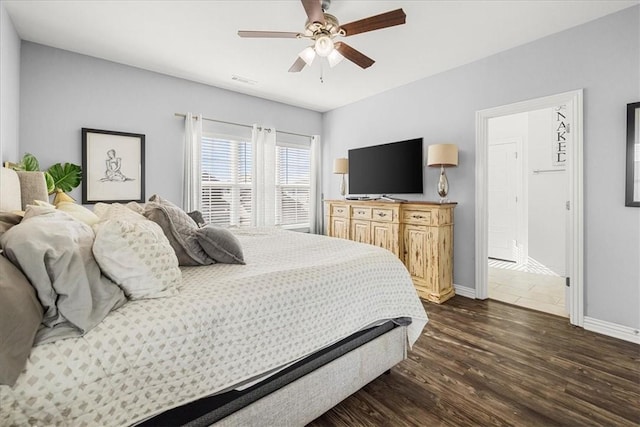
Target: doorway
{"type": "Point", "coordinates": [518, 241]}
{"type": "Point", "coordinates": [527, 226]}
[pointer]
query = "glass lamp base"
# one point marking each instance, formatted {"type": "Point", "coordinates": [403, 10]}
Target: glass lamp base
{"type": "Point", "coordinates": [443, 186]}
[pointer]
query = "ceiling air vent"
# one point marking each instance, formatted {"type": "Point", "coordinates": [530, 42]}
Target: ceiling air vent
{"type": "Point", "coordinates": [243, 80]}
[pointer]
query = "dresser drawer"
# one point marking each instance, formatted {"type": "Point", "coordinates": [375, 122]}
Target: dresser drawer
{"type": "Point", "coordinates": [383, 214]}
{"type": "Point", "coordinates": [341, 211]}
{"type": "Point", "coordinates": [418, 217]}
{"type": "Point", "coordinates": [360, 212]}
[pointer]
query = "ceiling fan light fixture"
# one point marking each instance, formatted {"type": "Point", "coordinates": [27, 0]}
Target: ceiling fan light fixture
{"type": "Point", "coordinates": [334, 58]}
{"type": "Point", "coordinates": [324, 45]}
{"type": "Point", "coordinates": [308, 55]}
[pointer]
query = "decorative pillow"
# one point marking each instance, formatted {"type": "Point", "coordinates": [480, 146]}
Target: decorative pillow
{"type": "Point", "coordinates": [220, 244]}
{"type": "Point", "coordinates": [54, 252]}
{"type": "Point", "coordinates": [20, 317]}
{"type": "Point", "coordinates": [33, 186]}
{"type": "Point", "coordinates": [137, 257]}
{"type": "Point", "coordinates": [179, 229]}
{"type": "Point", "coordinates": [8, 220]}
{"type": "Point", "coordinates": [78, 212]}
{"type": "Point", "coordinates": [196, 216]}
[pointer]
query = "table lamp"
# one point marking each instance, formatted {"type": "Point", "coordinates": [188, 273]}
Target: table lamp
{"type": "Point", "coordinates": [443, 155]}
{"type": "Point", "coordinates": [341, 166]}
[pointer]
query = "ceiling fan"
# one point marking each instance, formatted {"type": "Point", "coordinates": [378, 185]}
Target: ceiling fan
{"type": "Point", "coordinates": [322, 28]}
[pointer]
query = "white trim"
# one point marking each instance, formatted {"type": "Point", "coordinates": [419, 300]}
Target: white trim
{"type": "Point", "coordinates": [465, 291]}
{"type": "Point", "coordinates": [575, 233]}
{"type": "Point", "coordinates": [612, 330]}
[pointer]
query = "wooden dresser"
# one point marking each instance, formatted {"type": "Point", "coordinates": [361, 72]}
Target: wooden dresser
{"type": "Point", "coordinates": [419, 233]}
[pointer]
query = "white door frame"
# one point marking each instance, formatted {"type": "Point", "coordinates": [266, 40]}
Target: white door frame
{"type": "Point", "coordinates": [575, 230]}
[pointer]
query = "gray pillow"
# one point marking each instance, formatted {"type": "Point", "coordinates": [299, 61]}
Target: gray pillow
{"type": "Point", "coordinates": [20, 317]}
{"type": "Point", "coordinates": [220, 244]}
{"type": "Point", "coordinates": [32, 187]}
{"type": "Point", "coordinates": [197, 217]}
{"type": "Point", "coordinates": [180, 231]}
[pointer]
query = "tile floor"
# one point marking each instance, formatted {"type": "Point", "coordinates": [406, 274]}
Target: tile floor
{"type": "Point", "coordinates": [542, 292]}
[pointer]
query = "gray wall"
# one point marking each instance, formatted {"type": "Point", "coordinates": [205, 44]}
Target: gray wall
{"type": "Point", "coordinates": [9, 87]}
{"type": "Point", "coordinates": [603, 57]}
{"type": "Point", "coordinates": [62, 92]}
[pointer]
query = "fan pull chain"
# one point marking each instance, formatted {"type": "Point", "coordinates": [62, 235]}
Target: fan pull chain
{"type": "Point", "coordinates": [321, 72]}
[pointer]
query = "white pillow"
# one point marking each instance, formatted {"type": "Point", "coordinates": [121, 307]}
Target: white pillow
{"type": "Point", "coordinates": [78, 212]}
{"type": "Point", "coordinates": [137, 257]}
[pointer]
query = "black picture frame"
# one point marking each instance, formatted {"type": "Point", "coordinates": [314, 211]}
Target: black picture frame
{"type": "Point", "coordinates": [632, 191]}
{"type": "Point", "coordinates": [113, 166]}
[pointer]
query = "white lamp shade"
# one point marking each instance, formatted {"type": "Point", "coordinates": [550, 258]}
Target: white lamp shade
{"type": "Point", "coordinates": [308, 55]}
{"type": "Point", "coordinates": [334, 58]}
{"type": "Point", "coordinates": [341, 166]}
{"type": "Point", "coordinates": [324, 45]}
{"type": "Point", "coordinates": [442, 155]}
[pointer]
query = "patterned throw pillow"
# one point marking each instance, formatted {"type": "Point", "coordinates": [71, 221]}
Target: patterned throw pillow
{"type": "Point", "coordinates": [137, 257]}
{"type": "Point", "coordinates": [179, 228]}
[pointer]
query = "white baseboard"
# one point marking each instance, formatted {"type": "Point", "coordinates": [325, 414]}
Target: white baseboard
{"type": "Point", "coordinates": [464, 291]}
{"type": "Point", "coordinates": [614, 330]}
{"type": "Point", "coordinates": [609, 329]}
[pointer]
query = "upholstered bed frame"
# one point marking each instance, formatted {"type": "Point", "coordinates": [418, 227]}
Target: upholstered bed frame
{"type": "Point", "coordinates": [293, 397]}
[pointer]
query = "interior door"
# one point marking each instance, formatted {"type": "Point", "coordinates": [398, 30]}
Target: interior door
{"type": "Point", "coordinates": [503, 201]}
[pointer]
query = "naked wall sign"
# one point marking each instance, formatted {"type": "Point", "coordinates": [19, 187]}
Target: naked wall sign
{"type": "Point", "coordinates": [560, 135]}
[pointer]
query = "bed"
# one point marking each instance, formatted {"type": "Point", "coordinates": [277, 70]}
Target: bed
{"type": "Point", "coordinates": [304, 323]}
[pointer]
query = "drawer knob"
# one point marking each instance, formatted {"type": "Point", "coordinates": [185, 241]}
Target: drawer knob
{"type": "Point", "coordinates": [360, 212]}
{"type": "Point", "coordinates": [418, 217]}
{"type": "Point", "coordinates": [339, 210]}
{"type": "Point", "coordinates": [382, 214]}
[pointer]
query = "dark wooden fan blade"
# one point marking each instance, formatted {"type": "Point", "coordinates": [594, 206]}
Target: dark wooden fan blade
{"type": "Point", "coordinates": [313, 10]}
{"type": "Point", "coordinates": [269, 34]}
{"type": "Point", "coordinates": [384, 20]}
{"type": "Point", "coordinates": [353, 55]}
{"type": "Point", "coordinates": [297, 66]}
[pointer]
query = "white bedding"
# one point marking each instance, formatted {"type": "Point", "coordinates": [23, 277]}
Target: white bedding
{"type": "Point", "coordinates": [229, 324]}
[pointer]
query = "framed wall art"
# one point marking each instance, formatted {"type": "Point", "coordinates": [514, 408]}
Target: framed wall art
{"type": "Point", "coordinates": [112, 166]}
{"type": "Point", "coordinates": [632, 192]}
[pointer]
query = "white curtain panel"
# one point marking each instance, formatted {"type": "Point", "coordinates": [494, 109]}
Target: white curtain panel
{"type": "Point", "coordinates": [263, 202]}
{"type": "Point", "coordinates": [315, 202]}
{"type": "Point", "coordinates": [192, 180]}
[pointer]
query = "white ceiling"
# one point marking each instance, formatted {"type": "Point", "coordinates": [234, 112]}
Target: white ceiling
{"type": "Point", "coordinates": [197, 40]}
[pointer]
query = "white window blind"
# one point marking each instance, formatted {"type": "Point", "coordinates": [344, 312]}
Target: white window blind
{"type": "Point", "coordinates": [227, 178]}
{"type": "Point", "coordinates": [293, 178]}
{"type": "Point", "coordinates": [226, 181]}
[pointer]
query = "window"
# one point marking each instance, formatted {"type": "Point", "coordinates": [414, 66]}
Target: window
{"type": "Point", "coordinates": [293, 177]}
{"type": "Point", "coordinates": [227, 182]}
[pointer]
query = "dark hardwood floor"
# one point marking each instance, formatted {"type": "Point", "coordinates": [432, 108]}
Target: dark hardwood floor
{"type": "Point", "coordinates": [486, 363]}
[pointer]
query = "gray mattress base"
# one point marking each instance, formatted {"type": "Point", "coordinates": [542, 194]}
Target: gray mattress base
{"type": "Point", "coordinates": [303, 391]}
{"type": "Point", "coordinates": [305, 399]}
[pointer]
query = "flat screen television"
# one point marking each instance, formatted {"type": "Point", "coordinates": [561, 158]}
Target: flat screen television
{"type": "Point", "coordinates": [394, 168]}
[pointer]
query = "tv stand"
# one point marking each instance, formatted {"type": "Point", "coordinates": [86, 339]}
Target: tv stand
{"type": "Point", "coordinates": [392, 199]}
{"type": "Point", "coordinates": [420, 234]}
